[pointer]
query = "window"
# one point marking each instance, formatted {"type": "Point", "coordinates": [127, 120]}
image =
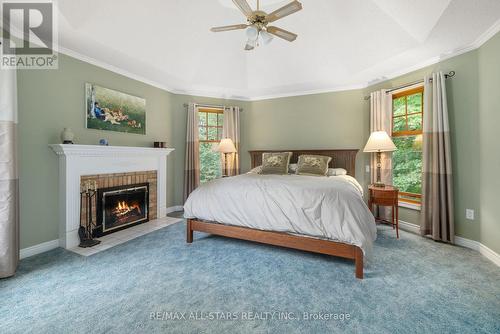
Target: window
{"type": "Point", "coordinates": [407, 118]}
{"type": "Point", "coordinates": [210, 127]}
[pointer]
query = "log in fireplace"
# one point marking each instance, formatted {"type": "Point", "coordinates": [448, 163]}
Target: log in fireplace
{"type": "Point", "coordinates": [121, 207]}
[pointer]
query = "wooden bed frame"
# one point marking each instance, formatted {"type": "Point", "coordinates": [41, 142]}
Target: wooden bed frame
{"type": "Point", "coordinates": [341, 159]}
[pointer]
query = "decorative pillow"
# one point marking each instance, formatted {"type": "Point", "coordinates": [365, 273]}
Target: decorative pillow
{"type": "Point", "coordinates": [255, 170]}
{"type": "Point", "coordinates": [313, 165]}
{"type": "Point", "coordinates": [275, 163]}
{"type": "Point", "coordinates": [336, 171]}
{"type": "Point", "coordinates": [292, 168]}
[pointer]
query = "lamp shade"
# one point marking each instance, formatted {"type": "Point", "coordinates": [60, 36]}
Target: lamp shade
{"type": "Point", "coordinates": [252, 33]}
{"type": "Point", "coordinates": [226, 146]}
{"type": "Point", "coordinates": [265, 37]}
{"type": "Point", "coordinates": [379, 141]}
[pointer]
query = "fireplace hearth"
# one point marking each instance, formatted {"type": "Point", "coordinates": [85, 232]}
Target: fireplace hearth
{"type": "Point", "coordinates": [121, 207]}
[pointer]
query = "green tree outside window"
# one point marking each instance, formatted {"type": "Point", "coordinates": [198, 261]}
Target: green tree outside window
{"type": "Point", "coordinates": [210, 134]}
{"type": "Point", "coordinates": [407, 116]}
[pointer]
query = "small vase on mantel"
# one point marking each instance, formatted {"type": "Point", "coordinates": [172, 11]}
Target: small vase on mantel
{"type": "Point", "coordinates": [67, 136]}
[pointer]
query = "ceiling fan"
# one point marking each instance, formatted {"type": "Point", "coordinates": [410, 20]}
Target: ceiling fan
{"type": "Point", "coordinates": [258, 20]}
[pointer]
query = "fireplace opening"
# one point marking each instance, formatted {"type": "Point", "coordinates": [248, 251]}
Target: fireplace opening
{"type": "Point", "coordinates": [121, 207]}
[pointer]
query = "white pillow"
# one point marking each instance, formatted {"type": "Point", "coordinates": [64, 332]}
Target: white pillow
{"type": "Point", "coordinates": [256, 170]}
{"type": "Point", "coordinates": [292, 168]}
{"type": "Point", "coordinates": [336, 171]}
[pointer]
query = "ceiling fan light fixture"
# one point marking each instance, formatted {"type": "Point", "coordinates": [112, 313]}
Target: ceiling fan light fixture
{"type": "Point", "coordinates": [251, 43]}
{"type": "Point", "coordinates": [252, 32]}
{"type": "Point", "coordinates": [256, 29]}
{"type": "Point", "coordinates": [265, 37]}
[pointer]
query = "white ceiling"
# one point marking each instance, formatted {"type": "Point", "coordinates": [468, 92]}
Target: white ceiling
{"type": "Point", "coordinates": [341, 43]}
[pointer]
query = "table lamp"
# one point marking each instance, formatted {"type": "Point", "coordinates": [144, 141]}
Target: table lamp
{"type": "Point", "coordinates": [379, 142]}
{"type": "Point", "coordinates": [226, 146]}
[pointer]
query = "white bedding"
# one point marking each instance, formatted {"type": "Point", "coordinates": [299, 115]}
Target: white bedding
{"type": "Point", "coordinates": [321, 207]}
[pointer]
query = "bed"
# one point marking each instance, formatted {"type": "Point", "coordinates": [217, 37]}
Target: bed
{"type": "Point", "coordinates": [325, 215]}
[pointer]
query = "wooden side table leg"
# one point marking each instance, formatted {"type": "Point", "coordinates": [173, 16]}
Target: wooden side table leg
{"type": "Point", "coordinates": [392, 221]}
{"type": "Point", "coordinates": [397, 222]}
{"type": "Point", "coordinates": [189, 232]}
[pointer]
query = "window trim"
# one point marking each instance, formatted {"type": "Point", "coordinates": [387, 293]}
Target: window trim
{"type": "Point", "coordinates": [206, 126]}
{"type": "Point", "coordinates": [405, 202]}
{"type": "Point", "coordinates": [408, 205]}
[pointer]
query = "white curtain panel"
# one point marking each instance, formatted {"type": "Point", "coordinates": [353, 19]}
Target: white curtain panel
{"type": "Point", "coordinates": [381, 120]}
{"type": "Point", "coordinates": [9, 185]}
{"type": "Point", "coordinates": [192, 161]}
{"type": "Point", "coordinates": [437, 186]}
{"type": "Point", "coordinates": [231, 129]}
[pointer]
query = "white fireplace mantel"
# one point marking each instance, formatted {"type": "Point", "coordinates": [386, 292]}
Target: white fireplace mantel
{"type": "Point", "coordinates": [78, 160]}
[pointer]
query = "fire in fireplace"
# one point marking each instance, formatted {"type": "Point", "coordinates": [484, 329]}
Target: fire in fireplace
{"type": "Point", "coordinates": [121, 207]}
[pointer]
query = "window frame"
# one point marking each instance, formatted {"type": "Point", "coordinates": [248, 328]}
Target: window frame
{"type": "Point", "coordinates": [219, 128]}
{"type": "Point", "coordinates": [206, 126]}
{"type": "Point", "coordinates": [411, 203]}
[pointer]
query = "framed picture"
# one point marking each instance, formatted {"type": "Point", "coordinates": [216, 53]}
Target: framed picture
{"type": "Point", "coordinates": [108, 109]}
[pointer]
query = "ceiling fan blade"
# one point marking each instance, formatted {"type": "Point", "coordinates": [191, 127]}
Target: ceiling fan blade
{"type": "Point", "coordinates": [244, 7]}
{"type": "Point", "coordinates": [286, 10]}
{"type": "Point", "coordinates": [286, 35]}
{"type": "Point", "coordinates": [228, 28]}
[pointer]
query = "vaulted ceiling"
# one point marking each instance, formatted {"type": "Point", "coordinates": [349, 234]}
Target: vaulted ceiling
{"type": "Point", "coordinates": [342, 43]}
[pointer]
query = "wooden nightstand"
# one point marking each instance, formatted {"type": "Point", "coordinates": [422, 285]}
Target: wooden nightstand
{"type": "Point", "coordinates": [385, 196]}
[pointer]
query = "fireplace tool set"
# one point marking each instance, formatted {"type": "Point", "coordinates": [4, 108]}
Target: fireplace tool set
{"type": "Point", "coordinates": [88, 192]}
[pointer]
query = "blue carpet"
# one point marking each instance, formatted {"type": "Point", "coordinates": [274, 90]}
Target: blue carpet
{"type": "Point", "coordinates": [413, 285]}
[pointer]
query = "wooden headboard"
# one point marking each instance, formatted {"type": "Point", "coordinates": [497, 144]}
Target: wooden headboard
{"type": "Point", "coordinates": [340, 158]}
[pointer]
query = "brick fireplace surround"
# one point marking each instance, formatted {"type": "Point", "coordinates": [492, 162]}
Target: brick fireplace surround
{"type": "Point", "coordinates": [124, 179]}
{"type": "Point", "coordinates": [109, 166]}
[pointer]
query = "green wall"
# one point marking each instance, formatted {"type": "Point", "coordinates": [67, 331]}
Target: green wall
{"type": "Point", "coordinates": [179, 140]}
{"type": "Point", "coordinates": [50, 100]}
{"type": "Point", "coordinates": [329, 120]}
{"type": "Point", "coordinates": [341, 120]}
{"type": "Point", "coordinates": [464, 127]}
{"type": "Point", "coordinates": [489, 153]}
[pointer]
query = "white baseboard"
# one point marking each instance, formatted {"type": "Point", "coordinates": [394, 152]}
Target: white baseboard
{"type": "Point", "coordinates": [479, 247]}
{"type": "Point", "coordinates": [489, 254]}
{"type": "Point", "coordinates": [459, 241]}
{"type": "Point", "coordinates": [174, 208]}
{"type": "Point", "coordinates": [409, 227]}
{"type": "Point", "coordinates": [37, 249]}
{"type": "Point", "coordinates": [49, 245]}
{"type": "Point", "coordinates": [467, 243]}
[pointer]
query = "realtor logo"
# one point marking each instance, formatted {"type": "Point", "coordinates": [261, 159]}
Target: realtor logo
{"type": "Point", "coordinates": [29, 36]}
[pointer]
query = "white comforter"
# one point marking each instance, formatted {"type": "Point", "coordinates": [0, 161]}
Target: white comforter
{"type": "Point", "coordinates": [321, 207]}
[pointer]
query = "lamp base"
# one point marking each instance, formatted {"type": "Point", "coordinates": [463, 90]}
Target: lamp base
{"type": "Point", "coordinates": [379, 185]}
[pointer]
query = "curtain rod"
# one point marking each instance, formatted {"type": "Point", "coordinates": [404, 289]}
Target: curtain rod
{"type": "Point", "coordinates": [208, 106]}
{"type": "Point", "coordinates": [448, 75]}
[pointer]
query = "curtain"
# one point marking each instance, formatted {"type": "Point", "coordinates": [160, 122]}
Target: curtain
{"type": "Point", "coordinates": [381, 120]}
{"type": "Point", "coordinates": [9, 185]}
{"type": "Point", "coordinates": [437, 191]}
{"type": "Point", "coordinates": [192, 163]}
{"type": "Point", "coordinates": [231, 129]}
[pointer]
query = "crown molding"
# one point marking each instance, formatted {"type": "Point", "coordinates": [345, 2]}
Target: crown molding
{"type": "Point", "coordinates": [487, 35]}
{"type": "Point", "coordinates": [308, 92]}
{"type": "Point", "coordinates": [210, 93]}
{"type": "Point", "coordinates": [128, 74]}
{"type": "Point", "coordinates": [112, 68]}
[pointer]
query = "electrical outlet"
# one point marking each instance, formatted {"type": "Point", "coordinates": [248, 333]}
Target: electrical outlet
{"type": "Point", "coordinates": [367, 168]}
{"type": "Point", "coordinates": [469, 214]}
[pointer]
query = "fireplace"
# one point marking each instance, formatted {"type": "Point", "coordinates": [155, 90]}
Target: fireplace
{"type": "Point", "coordinates": [121, 207]}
